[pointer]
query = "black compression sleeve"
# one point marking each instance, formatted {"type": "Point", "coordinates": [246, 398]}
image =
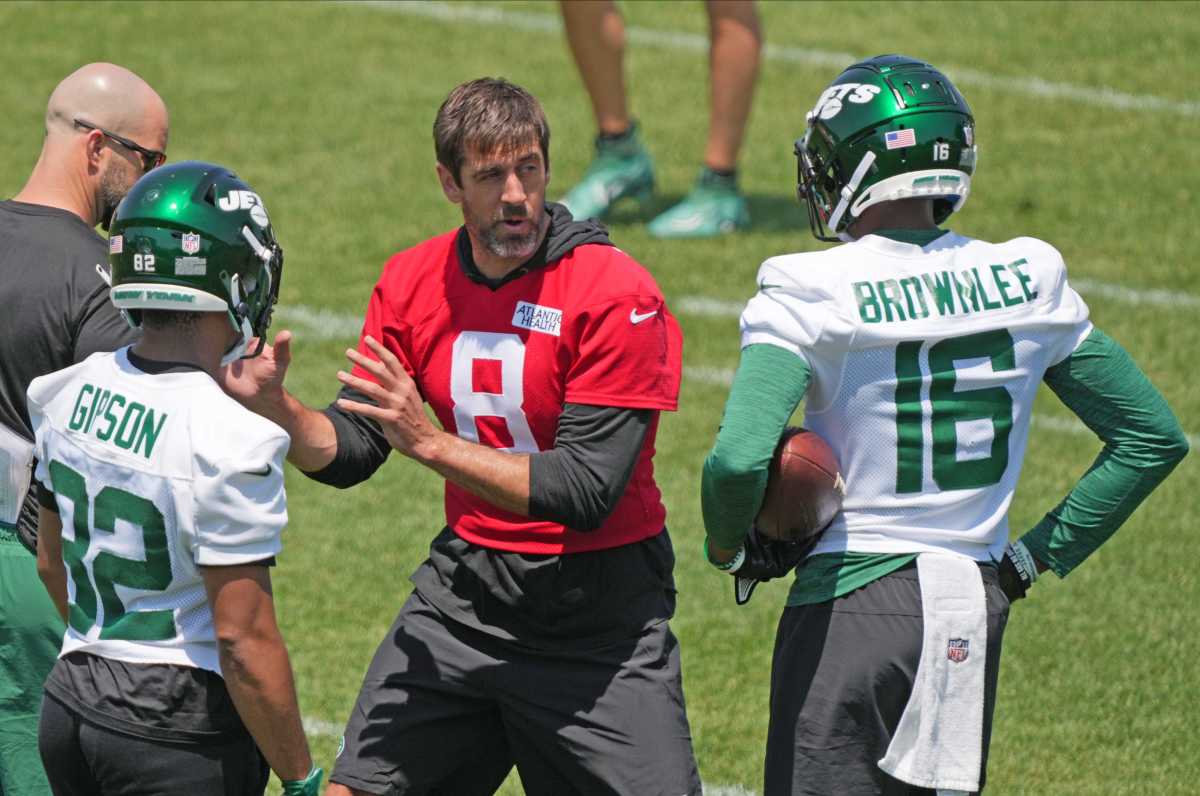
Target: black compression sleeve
{"type": "Point", "coordinates": [361, 445]}
{"type": "Point", "coordinates": [580, 480]}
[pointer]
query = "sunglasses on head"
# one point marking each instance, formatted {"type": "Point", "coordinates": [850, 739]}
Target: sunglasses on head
{"type": "Point", "coordinates": [151, 158]}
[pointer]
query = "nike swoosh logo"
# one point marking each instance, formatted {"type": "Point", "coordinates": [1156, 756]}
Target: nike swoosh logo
{"type": "Point", "coordinates": [634, 317]}
{"type": "Point", "coordinates": [266, 470]}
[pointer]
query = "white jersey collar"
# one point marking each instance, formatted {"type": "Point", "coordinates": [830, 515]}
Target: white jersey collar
{"type": "Point", "coordinates": [895, 248]}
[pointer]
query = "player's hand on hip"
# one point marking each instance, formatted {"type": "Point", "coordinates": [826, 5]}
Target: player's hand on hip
{"type": "Point", "coordinates": [1018, 570]}
{"type": "Point", "coordinates": [258, 382]}
{"type": "Point", "coordinates": [400, 410]}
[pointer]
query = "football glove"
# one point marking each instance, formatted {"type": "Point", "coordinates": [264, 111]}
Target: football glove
{"type": "Point", "coordinates": [760, 559]}
{"type": "Point", "coordinates": [309, 786]}
{"type": "Point", "coordinates": [1018, 571]}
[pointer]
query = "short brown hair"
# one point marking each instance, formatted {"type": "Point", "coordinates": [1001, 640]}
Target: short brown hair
{"type": "Point", "coordinates": [486, 115]}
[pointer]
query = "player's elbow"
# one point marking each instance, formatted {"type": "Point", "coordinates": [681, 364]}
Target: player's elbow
{"type": "Point", "coordinates": [1165, 443]}
{"type": "Point", "coordinates": [240, 645]}
{"type": "Point", "coordinates": [1174, 447]}
{"type": "Point", "coordinates": [584, 507]}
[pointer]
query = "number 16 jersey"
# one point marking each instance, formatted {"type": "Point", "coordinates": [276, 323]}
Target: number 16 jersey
{"type": "Point", "coordinates": [925, 363]}
{"type": "Point", "coordinates": [154, 476]}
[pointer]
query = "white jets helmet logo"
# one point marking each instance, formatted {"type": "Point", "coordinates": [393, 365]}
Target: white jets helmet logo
{"type": "Point", "coordinates": [245, 200]}
{"type": "Point", "coordinates": [829, 104]}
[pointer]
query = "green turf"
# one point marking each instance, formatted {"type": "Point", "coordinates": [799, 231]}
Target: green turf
{"type": "Point", "coordinates": [326, 110]}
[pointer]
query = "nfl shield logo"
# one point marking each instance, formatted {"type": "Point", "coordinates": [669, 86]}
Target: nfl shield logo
{"type": "Point", "coordinates": [191, 243]}
{"type": "Point", "coordinates": [958, 649]}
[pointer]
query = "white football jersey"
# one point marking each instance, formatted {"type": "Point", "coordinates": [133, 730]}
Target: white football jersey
{"type": "Point", "coordinates": [925, 363]}
{"type": "Point", "coordinates": [155, 475]}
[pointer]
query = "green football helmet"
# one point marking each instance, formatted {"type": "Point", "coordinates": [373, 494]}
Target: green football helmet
{"type": "Point", "coordinates": [193, 237]}
{"type": "Point", "coordinates": [887, 128]}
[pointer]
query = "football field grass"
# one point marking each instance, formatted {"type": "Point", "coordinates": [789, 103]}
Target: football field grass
{"type": "Point", "coordinates": [1087, 122]}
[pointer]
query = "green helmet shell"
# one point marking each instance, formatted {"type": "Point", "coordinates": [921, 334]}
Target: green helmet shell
{"type": "Point", "coordinates": [193, 237]}
{"type": "Point", "coordinates": [887, 128]}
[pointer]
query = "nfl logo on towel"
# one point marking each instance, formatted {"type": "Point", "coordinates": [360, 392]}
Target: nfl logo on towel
{"type": "Point", "coordinates": [899, 139]}
{"type": "Point", "coordinates": [958, 649]}
{"type": "Point", "coordinates": [191, 243]}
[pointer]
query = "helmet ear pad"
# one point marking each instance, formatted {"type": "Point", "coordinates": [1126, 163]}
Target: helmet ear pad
{"type": "Point", "coordinates": [193, 237]}
{"type": "Point", "coordinates": [887, 128]}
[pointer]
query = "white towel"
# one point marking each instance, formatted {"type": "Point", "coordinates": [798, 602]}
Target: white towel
{"type": "Point", "coordinates": [939, 740]}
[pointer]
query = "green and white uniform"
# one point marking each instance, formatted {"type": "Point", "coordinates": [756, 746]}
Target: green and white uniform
{"type": "Point", "coordinates": [925, 364]}
{"type": "Point", "coordinates": [154, 475]}
{"type": "Point", "coordinates": [920, 354]}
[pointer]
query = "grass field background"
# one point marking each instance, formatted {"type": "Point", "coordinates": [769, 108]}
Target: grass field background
{"type": "Point", "coordinates": [1087, 128]}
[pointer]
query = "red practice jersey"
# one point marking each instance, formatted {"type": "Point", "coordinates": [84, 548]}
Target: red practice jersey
{"type": "Point", "coordinates": [497, 366]}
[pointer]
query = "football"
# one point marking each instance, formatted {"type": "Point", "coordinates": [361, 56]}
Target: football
{"type": "Point", "coordinates": [804, 488]}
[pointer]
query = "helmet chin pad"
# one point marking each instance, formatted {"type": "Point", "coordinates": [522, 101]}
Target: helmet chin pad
{"type": "Point", "coordinates": [948, 184]}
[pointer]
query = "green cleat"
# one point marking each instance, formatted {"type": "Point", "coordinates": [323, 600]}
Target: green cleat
{"type": "Point", "coordinates": [713, 207]}
{"type": "Point", "coordinates": [622, 168]}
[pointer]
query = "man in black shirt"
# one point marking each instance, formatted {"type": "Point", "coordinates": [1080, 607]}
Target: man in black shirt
{"type": "Point", "coordinates": [105, 127]}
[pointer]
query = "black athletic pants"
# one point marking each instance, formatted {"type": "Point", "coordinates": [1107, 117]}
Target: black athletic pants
{"type": "Point", "coordinates": [84, 759]}
{"type": "Point", "coordinates": [446, 710]}
{"type": "Point", "coordinates": [840, 679]}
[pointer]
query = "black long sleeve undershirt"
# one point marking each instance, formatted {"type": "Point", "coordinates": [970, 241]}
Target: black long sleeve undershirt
{"type": "Point", "coordinates": [577, 483]}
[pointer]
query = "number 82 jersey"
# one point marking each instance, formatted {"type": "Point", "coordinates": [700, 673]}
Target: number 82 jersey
{"type": "Point", "coordinates": [925, 363]}
{"type": "Point", "coordinates": [154, 475]}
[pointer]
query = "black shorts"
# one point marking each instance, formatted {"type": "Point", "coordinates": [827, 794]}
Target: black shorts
{"type": "Point", "coordinates": [447, 709]}
{"type": "Point", "coordinates": [840, 679]}
{"type": "Point", "coordinates": [85, 759]}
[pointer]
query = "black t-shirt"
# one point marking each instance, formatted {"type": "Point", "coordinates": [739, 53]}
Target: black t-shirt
{"type": "Point", "coordinates": [55, 308]}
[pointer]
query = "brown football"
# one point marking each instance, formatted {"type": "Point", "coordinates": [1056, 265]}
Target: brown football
{"type": "Point", "coordinates": [804, 488]}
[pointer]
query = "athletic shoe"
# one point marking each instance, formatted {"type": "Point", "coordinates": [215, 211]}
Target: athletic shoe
{"type": "Point", "coordinates": [621, 168]}
{"type": "Point", "coordinates": [714, 207]}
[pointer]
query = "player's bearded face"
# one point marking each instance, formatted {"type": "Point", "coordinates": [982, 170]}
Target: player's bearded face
{"type": "Point", "coordinates": [504, 202]}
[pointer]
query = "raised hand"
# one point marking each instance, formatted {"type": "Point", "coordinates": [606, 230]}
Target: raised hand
{"type": "Point", "coordinates": [258, 383]}
{"type": "Point", "coordinates": [400, 411]}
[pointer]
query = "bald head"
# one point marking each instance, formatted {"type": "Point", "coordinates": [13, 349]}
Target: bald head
{"type": "Point", "coordinates": [83, 169]}
{"type": "Point", "coordinates": [111, 97]}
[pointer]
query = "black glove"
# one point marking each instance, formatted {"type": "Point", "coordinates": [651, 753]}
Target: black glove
{"type": "Point", "coordinates": [760, 559]}
{"type": "Point", "coordinates": [1017, 571]}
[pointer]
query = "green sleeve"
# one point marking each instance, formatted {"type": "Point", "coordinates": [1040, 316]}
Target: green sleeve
{"type": "Point", "coordinates": [1143, 442]}
{"type": "Point", "coordinates": [768, 386]}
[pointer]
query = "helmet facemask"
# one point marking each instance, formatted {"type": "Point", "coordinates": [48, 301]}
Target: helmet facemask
{"type": "Point", "coordinates": [252, 301]}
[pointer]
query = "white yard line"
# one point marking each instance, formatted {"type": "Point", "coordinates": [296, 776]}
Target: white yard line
{"type": "Point", "coordinates": [1035, 87]}
{"type": "Point", "coordinates": [322, 728]}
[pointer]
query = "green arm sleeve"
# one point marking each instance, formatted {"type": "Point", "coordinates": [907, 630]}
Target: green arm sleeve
{"type": "Point", "coordinates": [1143, 442]}
{"type": "Point", "coordinates": [767, 388]}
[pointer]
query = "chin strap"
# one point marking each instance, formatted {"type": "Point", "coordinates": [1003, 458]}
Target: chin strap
{"type": "Point", "coordinates": [856, 178]}
{"type": "Point", "coordinates": [240, 322]}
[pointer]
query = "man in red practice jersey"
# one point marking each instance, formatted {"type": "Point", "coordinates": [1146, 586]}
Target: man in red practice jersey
{"type": "Point", "coordinates": [537, 633]}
